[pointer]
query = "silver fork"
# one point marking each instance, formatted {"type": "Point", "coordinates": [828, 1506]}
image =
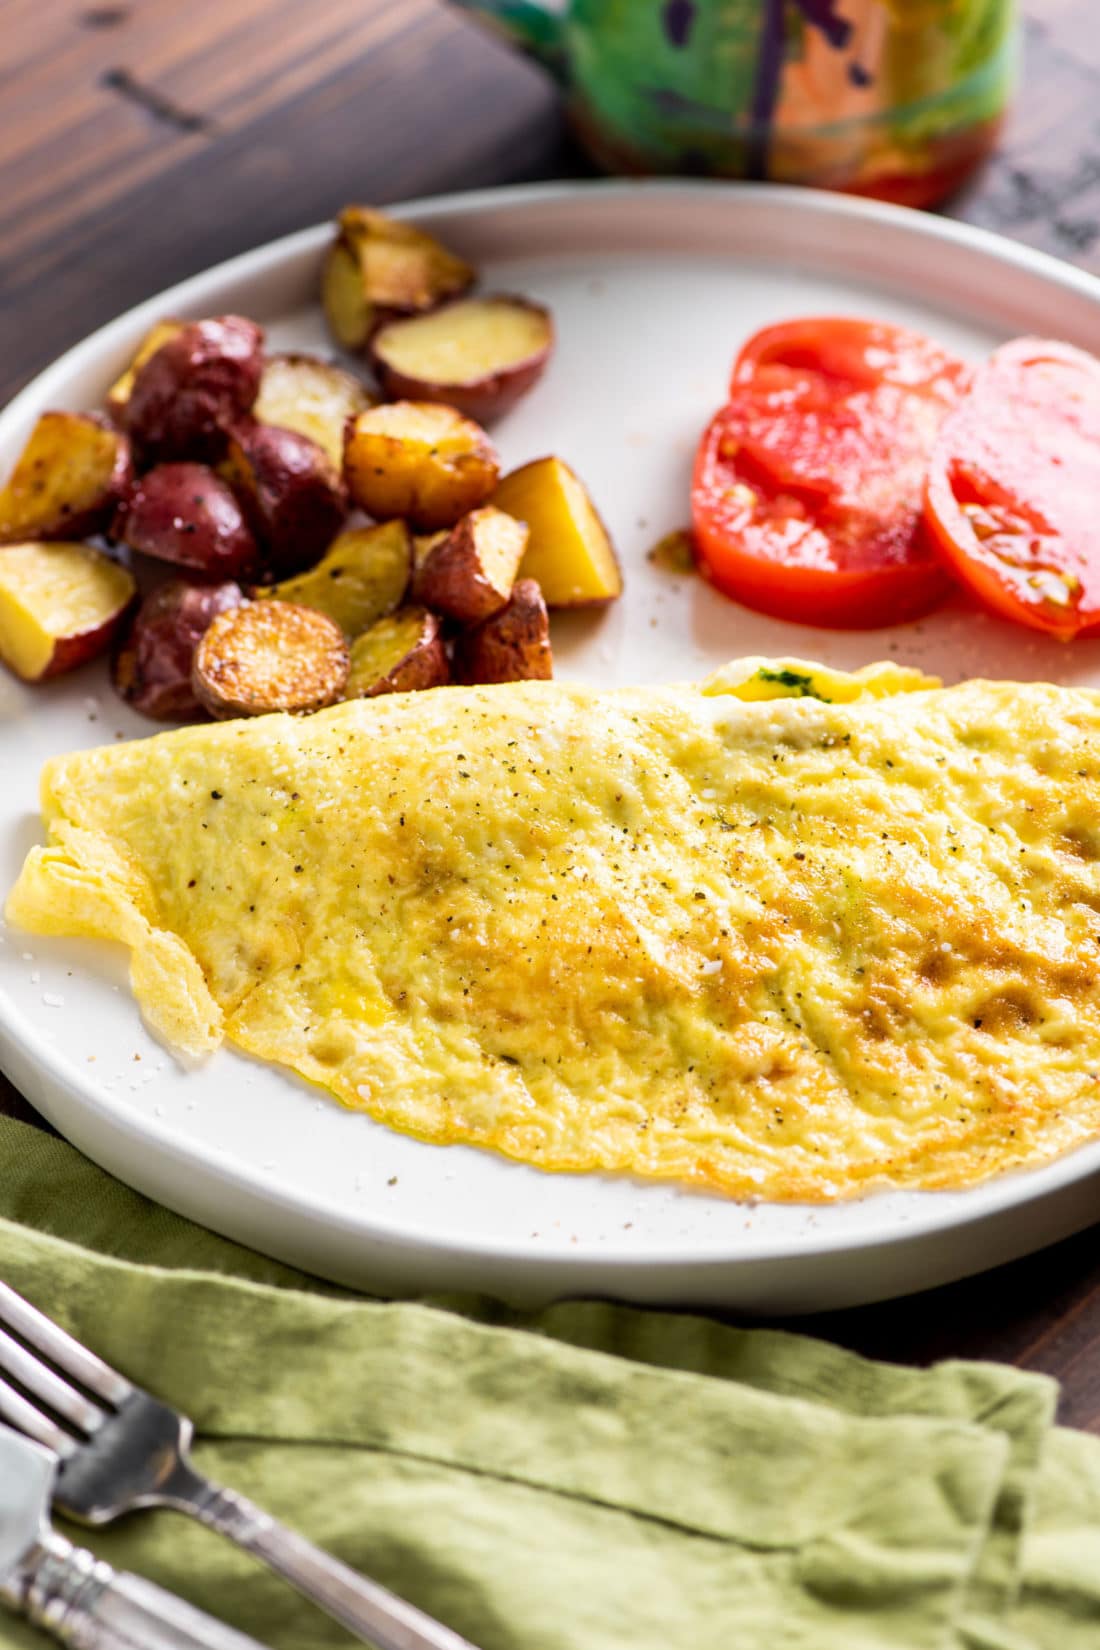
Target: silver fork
{"type": "Point", "coordinates": [121, 1449]}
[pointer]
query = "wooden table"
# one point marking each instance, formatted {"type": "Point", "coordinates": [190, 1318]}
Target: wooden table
{"type": "Point", "coordinates": [140, 142]}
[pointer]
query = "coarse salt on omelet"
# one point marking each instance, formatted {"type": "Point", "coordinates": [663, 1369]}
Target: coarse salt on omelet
{"type": "Point", "coordinates": [790, 933]}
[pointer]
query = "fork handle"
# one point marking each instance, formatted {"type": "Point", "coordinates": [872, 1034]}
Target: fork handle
{"type": "Point", "coordinates": [367, 1609]}
{"type": "Point", "coordinates": [88, 1605]}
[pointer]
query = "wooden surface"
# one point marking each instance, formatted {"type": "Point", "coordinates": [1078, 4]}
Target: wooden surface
{"type": "Point", "coordinates": [142, 141]}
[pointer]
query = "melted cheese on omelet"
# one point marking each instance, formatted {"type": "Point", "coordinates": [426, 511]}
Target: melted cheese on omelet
{"type": "Point", "coordinates": [789, 933]}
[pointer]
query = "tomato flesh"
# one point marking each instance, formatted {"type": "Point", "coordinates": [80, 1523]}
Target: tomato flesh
{"type": "Point", "coordinates": [1014, 485]}
{"type": "Point", "coordinates": [808, 484]}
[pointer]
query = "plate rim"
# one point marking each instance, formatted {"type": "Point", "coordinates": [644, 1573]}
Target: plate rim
{"type": "Point", "coordinates": [1014, 1189]}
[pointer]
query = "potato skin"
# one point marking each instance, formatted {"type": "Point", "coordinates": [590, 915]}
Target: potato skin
{"type": "Point", "coordinates": [119, 393]}
{"type": "Point", "coordinates": [66, 482]}
{"type": "Point", "coordinates": [429, 482]}
{"type": "Point", "coordinates": [291, 493]}
{"type": "Point", "coordinates": [198, 383]}
{"type": "Point", "coordinates": [184, 513]}
{"type": "Point", "coordinates": [152, 668]}
{"type": "Point", "coordinates": [423, 664]}
{"type": "Point", "coordinates": [484, 399]}
{"type": "Point", "coordinates": [470, 575]}
{"type": "Point", "coordinates": [512, 646]}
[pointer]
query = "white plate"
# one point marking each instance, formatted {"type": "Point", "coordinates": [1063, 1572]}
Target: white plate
{"type": "Point", "coordinates": [652, 287]}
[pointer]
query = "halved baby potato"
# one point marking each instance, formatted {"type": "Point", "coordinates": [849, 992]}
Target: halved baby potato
{"type": "Point", "coordinates": [400, 654]}
{"type": "Point", "coordinates": [569, 552]}
{"type": "Point", "coordinates": [478, 354]}
{"type": "Point", "coordinates": [420, 460]}
{"type": "Point", "coordinates": [269, 656]}
{"type": "Point", "coordinates": [364, 576]}
{"type": "Point", "coordinates": [512, 646]}
{"type": "Point", "coordinates": [60, 605]}
{"type": "Point", "coordinates": [378, 266]}
{"type": "Point", "coordinates": [290, 490]}
{"type": "Point", "coordinates": [119, 392]}
{"type": "Point", "coordinates": [470, 574]}
{"type": "Point", "coordinates": [314, 397]}
{"type": "Point", "coordinates": [67, 480]}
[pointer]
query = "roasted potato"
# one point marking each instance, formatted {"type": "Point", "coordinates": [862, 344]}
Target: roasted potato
{"type": "Point", "coordinates": [184, 513]}
{"type": "Point", "coordinates": [512, 646]}
{"type": "Point", "coordinates": [418, 460]}
{"type": "Point", "coordinates": [423, 545]}
{"type": "Point", "coordinates": [364, 576]}
{"type": "Point", "coordinates": [152, 668]}
{"type": "Point", "coordinates": [60, 605]}
{"type": "Point", "coordinates": [292, 495]}
{"type": "Point", "coordinates": [379, 266]}
{"type": "Point", "coordinates": [119, 393]}
{"type": "Point", "coordinates": [399, 654]}
{"type": "Point", "coordinates": [569, 552]}
{"type": "Point", "coordinates": [316, 398]}
{"type": "Point", "coordinates": [268, 656]}
{"type": "Point", "coordinates": [67, 480]}
{"type": "Point", "coordinates": [203, 379]}
{"type": "Point", "coordinates": [469, 576]}
{"type": "Point", "coordinates": [478, 354]}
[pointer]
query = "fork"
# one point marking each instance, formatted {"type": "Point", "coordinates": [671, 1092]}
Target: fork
{"type": "Point", "coordinates": [122, 1449]}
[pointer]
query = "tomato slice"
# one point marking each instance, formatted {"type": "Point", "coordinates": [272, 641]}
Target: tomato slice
{"type": "Point", "coordinates": [808, 484]}
{"type": "Point", "coordinates": [1014, 486]}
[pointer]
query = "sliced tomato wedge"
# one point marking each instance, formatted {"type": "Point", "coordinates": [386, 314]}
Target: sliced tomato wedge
{"type": "Point", "coordinates": [1013, 489]}
{"type": "Point", "coordinates": [808, 484]}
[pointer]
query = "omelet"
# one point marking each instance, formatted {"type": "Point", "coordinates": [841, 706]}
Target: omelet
{"type": "Point", "coordinates": [787, 934]}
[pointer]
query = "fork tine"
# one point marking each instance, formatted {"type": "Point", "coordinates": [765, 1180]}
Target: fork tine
{"type": "Point", "coordinates": [15, 1409]}
{"type": "Point", "coordinates": [48, 1388]}
{"type": "Point", "coordinates": [67, 1354]}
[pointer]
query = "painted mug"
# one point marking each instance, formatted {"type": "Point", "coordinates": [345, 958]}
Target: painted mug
{"type": "Point", "coordinates": [898, 98]}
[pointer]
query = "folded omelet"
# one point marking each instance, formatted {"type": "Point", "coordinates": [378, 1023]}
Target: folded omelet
{"type": "Point", "coordinates": [788, 933]}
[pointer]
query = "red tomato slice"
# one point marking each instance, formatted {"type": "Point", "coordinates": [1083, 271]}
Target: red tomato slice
{"type": "Point", "coordinates": [806, 496]}
{"type": "Point", "coordinates": [1014, 486]}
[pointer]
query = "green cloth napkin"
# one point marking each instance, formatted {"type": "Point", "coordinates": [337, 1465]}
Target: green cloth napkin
{"type": "Point", "coordinates": [587, 1478]}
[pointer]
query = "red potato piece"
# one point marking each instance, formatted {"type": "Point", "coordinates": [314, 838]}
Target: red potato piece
{"type": "Point", "coordinates": [152, 668]}
{"type": "Point", "coordinates": [67, 480]}
{"type": "Point", "coordinates": [61, 605]}
{"type": "Point", "coordinates": [469, 576]}
{"type": "Point", "coordinates": [379, 266]}
{"type": "Point", "coordinates": [363, 576]}
{"type": "Point", "coordinates": [184, 513]}
{"type": "Point", "coordinates": [314, 397]}
{"type": "Point", "coordinates": [512, 646]}
{"type": "Point", "coordinates": [269, 656]}
{"type": "Point", "coordinates": [477, 354]}
{"type": "Point", "coordinates": [403, 653]}
{"type": "Point", "coordinates": [569, 553]}
{"type": "Point", "coordinates": [291, 493]}
{"type": "Point", "coordinates": [119, 393]}
{"type": "Point", "coordinates": [419, 460]}
{"type": "Point", "coordinates": [194, 387]}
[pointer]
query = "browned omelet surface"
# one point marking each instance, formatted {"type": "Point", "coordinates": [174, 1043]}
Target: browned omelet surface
{"type": "Point", "coordinates": [789, 934]}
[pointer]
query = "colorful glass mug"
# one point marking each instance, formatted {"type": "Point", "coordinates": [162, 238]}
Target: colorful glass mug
{"type": "Point", "coordinates": [898, 98]}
